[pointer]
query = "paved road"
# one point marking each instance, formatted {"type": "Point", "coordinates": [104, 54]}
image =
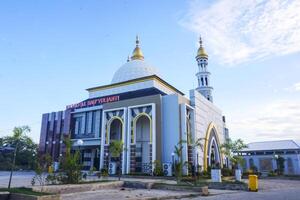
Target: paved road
{"type": "Point", "coordinates": [289, 194]}
{"type": "Point", "coordinates": [19, 179]}
{"type": "Point", "coordinates": [117, 194]}
{"type": "Point", "coordinates": [269, 190]}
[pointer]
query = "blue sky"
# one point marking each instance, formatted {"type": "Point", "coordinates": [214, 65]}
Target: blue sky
{"type": "Point", "coordinates": [51, 51]}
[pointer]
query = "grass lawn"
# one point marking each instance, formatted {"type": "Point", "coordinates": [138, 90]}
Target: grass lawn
{"type": "Point", "coordinates": [95, 181]}
{"type": "Point", "coordinates": [23, 190]}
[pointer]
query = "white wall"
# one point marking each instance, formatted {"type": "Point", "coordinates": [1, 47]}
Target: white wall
{"type": "Point", "coordinates": [205, 113]}
{"type": "Point", "coordinates": [170, 126]}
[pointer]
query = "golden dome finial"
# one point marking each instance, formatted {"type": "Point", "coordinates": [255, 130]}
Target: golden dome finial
{"type": "Point", "coordinates": [200, 41]}
{"type": "Point", "coordinates": [137, 53]}
{"type": "Point", "coordinates": [137, 40]}
{"type": "Point", "coordinates": [201, 51]}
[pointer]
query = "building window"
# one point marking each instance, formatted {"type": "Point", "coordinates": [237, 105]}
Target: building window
{"type": "Point", "coordinates": [89, 122]}
{"type": "Point", "coordinates": [78, 125]}
{"type": "Point", "coordinates": [94, 122]}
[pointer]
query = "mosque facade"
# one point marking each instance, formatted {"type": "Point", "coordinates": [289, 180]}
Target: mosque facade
{"type": "Point", "coordinates": [149, 116]}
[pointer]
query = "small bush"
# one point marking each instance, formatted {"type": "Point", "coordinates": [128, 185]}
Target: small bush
{"type": "Point", "coordinates": [226, 172]}
{"type": "Point", "coordinates": [158, 170]}
{"type": "Point", "coordinates": [272, 173]}
{"type": "Point", "coordinates": [104, 172]}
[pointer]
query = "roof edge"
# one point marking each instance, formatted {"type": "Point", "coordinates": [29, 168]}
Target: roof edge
{"type": "Point", "coordinates": [152, 77]}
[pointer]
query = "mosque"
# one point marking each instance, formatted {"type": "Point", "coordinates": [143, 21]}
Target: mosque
{"type": "Point", "coordinates": [149, 115]}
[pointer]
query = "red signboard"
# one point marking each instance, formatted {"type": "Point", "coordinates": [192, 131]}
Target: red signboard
{"type": "Point", "coordinates": [94, 102]}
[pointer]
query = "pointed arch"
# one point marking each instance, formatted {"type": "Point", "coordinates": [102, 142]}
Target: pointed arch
{"type": "Point", "coordinates": [211, 128]}
{"type": "Point", "coordinates": [108, 127]}
{"type": "Point", "coordinates": [133, 135]}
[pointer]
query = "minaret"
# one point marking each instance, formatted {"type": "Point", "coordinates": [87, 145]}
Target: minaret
{"type": "Point", "coordinates": [203, 74]}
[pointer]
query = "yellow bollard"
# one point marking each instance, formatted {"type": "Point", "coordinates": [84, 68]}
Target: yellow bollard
{"type": "Point", "coordinates": [50, 169]}
{"type": "Point", "coordinates": [253, 183]}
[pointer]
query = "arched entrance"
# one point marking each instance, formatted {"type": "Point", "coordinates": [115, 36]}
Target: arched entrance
{"type": "Point", "coordinates": [212, 156]}
{"type": "Point", "coordinates": [114, 132]}
{"type": "Point", "coordinates": [143, 144]}
{"type": "Point", "coordinates": [213, 152]}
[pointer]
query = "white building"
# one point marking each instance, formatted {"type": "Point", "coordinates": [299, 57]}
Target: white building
{"type": "Point", "coordinates": [264, 155]}
{"type": "Point", "coordinates": [148, 114]}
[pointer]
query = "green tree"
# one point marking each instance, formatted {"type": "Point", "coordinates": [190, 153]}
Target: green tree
{"type": "Point", "coordinates": [196, 144]}
{"type": "Point", "coordinates": [158, 169]}
{"type": "Point", "coordinates": [179, 165]}
{"type": "Point", "coordinates": [231, 149]}
{"type": "Point", "coordinates": [26, 149]}
{"type": "Point", "coordinates": [41, 168]}
{"type": "Point", "coordinates": [70, 166]}
{"type": "Point", "coordinates": [115, 150]}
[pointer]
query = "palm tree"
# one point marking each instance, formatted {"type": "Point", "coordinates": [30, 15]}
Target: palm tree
{"type": "Point", "coordinates": [18, 135]}
{"type": "Point", "coordinates": [116, 149]}
{"type": "Point", "coordinates": [180, 164]}
{"type": "Point", "coordinates": [231, 148]}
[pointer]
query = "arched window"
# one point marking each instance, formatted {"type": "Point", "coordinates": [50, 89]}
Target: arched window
{"type": "Point", "coordinates": [202, 81]}
{"type": "Point", "coordinates": [206, 82]}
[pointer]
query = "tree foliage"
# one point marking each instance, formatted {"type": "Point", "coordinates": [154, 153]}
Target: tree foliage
{"type": "Point", "coordinates": [115, 150]}
{"type": "Point", "coordinates": [26, 149]}
{"type": "Point", "coordinates": [69, 170]}
{"type": "Point", "coordinates": [42, 164]}
{"type": "Point", "coordinates": [71, 166]}
{"type": "Point", "coordinates": [231, 148]}
{"type": "Point", "coordinates": [179, 165]}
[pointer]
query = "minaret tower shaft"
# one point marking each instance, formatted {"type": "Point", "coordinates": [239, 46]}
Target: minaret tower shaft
{"type": "Point", "coordinates": [203, 74]}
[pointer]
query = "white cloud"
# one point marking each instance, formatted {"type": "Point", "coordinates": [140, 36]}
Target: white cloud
{"type": "Point", "coordinates": [294, 88]}
{"type": "Point", "coordinates": [240, 30]}
{"type": "Point", "coordinates": [278, 120]}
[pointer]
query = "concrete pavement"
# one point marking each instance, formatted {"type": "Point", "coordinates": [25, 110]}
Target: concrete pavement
{"type": "Point", "coordinates": [273, 189]}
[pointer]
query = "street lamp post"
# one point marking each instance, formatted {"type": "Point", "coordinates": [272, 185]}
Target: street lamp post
{"type": "Point", "coordinates": [107, 161]}
{"type": "Point", "coordinates": [173, 162]}
{"type": "Point", "coordinates": [80, 143]}
{"type": "Point", "coordinates": [197, 162]}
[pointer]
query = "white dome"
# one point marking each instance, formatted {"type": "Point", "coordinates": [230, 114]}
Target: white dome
{"type": "Point", "coordinates": [132, 70]}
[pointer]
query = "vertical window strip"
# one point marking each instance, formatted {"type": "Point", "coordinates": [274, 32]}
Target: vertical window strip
{"type": "Point", "coordinates": [132, 133]}
{"type": "Point", "coordinates": [87, 119]}
{"type": "Point", "coordinates": [79, 125]}
{"type": "Point", "coordinates": [106, 134]}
